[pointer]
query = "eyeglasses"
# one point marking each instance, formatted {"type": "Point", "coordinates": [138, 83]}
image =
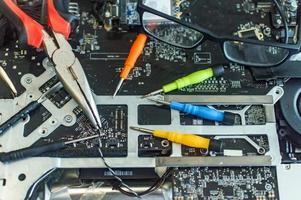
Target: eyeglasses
{"type": "Point", "coordinates": [160, 24]}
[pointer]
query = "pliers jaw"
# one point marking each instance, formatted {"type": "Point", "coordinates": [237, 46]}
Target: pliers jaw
{"type": "Point", "coordinates": [71, 74]}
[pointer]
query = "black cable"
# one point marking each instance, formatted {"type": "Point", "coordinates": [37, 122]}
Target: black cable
{"type": "Point", "coordinates": [132, 192]}
{"type": "Point", "coordinates": [283, 20]}
{"type": "Point", "coordinates": [158, 183]}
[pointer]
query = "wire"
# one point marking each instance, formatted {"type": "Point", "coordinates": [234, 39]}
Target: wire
{"type": "Point", "coordinates": [283, 20]}
{"type": "Point", "coordinates": [158, 183]}
{"type": "Point", "coordinates": [121, 182]}
{"type": "Point", "coordinates": [130, 192]}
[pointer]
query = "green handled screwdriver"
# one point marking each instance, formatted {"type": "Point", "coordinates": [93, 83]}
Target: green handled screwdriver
{"type": "Point", "coordinates": [191, 79]}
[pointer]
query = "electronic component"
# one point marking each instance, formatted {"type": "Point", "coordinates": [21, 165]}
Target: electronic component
{"type": "Point", "coordinates": [225, 183]}
{"type": "Point", "coordinates": [288, 120]}
{"type": "Point", "coordinates": [253, 115]}
{"type": "Point", "coordinates": [116, 15]}
{"type": "Point", "coordinates": [60, 98]}
{"type": "Point", "coordinates": [153, 115]}
{"type": "Point", "coordinates": [150, 146]}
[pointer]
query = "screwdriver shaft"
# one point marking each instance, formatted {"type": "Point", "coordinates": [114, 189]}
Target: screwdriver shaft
{"type": "Point", "coordinates": [82, 139]}
{"type": "Point", "coordinates": [118, 87]}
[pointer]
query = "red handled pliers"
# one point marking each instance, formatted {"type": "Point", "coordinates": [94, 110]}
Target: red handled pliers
{"type": "Point", "coordinates": [67, 66]}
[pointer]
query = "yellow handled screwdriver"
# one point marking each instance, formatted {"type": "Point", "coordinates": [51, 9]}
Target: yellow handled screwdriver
{"type": "Point", "coordinates": [189, 140]}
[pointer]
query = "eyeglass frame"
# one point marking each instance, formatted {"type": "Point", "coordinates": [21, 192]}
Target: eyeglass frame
{"type": "Point", "coordinates": [207, 34]}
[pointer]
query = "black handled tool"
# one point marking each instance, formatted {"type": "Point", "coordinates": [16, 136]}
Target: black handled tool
{"type": "Point", "coordinates": [36, 151]}
{"type": "Point", "coordinates": [28, 109]}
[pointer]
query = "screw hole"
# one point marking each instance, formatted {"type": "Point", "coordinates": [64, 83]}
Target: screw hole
{"type": "Point", "coordinates": [278, 92]}
{"type": "Point", "coordinates": [282, 132]}
{"type": "Point", "coordinates": [43, 131]}
{"type": "Point", "coordinates": [3, 181]}
{"type": "Point", "coordinates": [24, 118]}
{"type": "Point", "coordinates": [22, 177]}
{"type": "Point", "coordinates": [261, 150]}
{"type": "Point", "coordinates": [165, 143]}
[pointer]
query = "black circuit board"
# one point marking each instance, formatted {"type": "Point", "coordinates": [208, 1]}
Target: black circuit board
{"type": "Point", "coordinates": [149, 146]}
{"type": "Point", "coordinates": [212, 183]}
{"type": "Point", "coordinates": [255, 115]}
{"type": "Point", "coordinates": [239, 144]}
{"type": "Point", "coordinates": [102, 55]}
{"type": "Point", "coordinates": [113, 143]}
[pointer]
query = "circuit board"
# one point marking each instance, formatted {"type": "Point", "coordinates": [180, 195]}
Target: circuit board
{"type": "Point", "coordinates": [102, 53]}
{"type": "Point", "coordinates": [258, 183]}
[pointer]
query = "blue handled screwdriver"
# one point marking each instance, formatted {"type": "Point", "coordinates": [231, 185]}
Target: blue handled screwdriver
{"type": "Point", "coordinates": [203, 112]}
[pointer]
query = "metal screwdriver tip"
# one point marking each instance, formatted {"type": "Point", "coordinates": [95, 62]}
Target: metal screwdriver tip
{"type": "Point", "coordinates": [158, 101]}
{"type": "Point", "coordinates": [118, 87]}
{"type": "Point", "coordinates": [141, 129]}
{"type": "Point", "coordinates": [152, 93]}
{"type": "Point", "coordinates": [82, 139]}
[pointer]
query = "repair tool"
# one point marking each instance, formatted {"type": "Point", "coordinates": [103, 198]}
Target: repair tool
{"type": "Point", "coordinates": [191, 79]}
{"type": "Point", "coordinates": [7, 81]}
{"type": "Point", "coordinates": [189, 140]}
{"type": "Point", "coordinates": [204, 112]}
{"type": "Point", "coordinates": [67, 66]}
{"type": "Point", "coordinates": [36, 151]}
{"type": "Point", "coordinates": [135, 52]}
{"type": "Point", "coordinates": [28, 109]}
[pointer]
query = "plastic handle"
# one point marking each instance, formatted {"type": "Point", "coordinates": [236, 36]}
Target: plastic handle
{"type": "Point", "coordinates": [56, 18]}
{"type": "Point", "coordinates": [199, 111]}
{"type": "Point", "coordinates": [135, 52]}
{"type": "Point", "coordinates": [21, 114]}
{"type": "Point", "coordinates": [194, 78]}
{"type": "Point", "coordinates": [30, 152]}
{"type": "Point", "coordinates": [30, 31]}
{"type": "Point", "coordinates": [185, 139]}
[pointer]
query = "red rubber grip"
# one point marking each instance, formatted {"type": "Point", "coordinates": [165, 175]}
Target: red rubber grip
{"type": "Point", "coordinates": [56, 21]}
{"type": "Point", "coordinates": [29, 30]}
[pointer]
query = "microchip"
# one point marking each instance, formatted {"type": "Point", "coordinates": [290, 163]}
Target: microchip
{"type": "Point", "coordinates": [153, 115]}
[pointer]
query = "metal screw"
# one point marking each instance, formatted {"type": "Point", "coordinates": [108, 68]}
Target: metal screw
{"type": "Point", "coordinates": [28, 80]}
{"type": "Point", "coordinates": [68, 118]}
{"type": "Point", "coordinates": [287, 167]}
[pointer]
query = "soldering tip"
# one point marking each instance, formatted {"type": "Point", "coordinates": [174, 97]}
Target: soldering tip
{"type": "Point", "coordinates": [118, 87]}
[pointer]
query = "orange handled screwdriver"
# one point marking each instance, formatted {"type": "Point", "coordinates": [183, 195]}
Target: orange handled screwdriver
{"type": "Point", "coordinates": [135, 52]}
